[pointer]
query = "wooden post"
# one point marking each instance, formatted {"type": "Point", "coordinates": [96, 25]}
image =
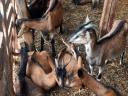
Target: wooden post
{"type": "Point", "coordinates": [108, 15]}
{"type": "Point", "coordinates": [6, 82]}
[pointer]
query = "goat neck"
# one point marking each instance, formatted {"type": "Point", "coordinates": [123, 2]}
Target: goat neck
{"type": "Point", "coordinates": [90, 45]}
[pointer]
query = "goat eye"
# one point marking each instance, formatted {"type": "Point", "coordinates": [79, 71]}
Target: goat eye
{"type": "Point", "coordinates": [77, 36]}
{"type": "Point", "coordinates": [82, 35]}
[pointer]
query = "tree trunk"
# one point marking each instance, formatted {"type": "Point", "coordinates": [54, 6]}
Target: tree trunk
{"type": "Point", "coordinates": [108, 15]}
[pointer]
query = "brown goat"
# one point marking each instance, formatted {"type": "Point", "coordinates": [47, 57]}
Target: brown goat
{"type": "Point", "coordinates": [105, 48]}
{"type": "Point", "coordinates": [71, 64]}
{"type": "Point", "coordinates": [94, 85]}
{"type": "Point", "coordinates": [49, 23]}
{"type": "Point", "coordinates": [33, 90]}
{"type": "Point", "coordinates": [41, 70]}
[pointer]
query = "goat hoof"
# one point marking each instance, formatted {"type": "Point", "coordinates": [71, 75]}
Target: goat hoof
{"type": "Point", "coordinates": [121, 62]}
{"type": "Point", "coordinates": [90, 73]}
{"type": "Point", "coordinates": [99, 77]}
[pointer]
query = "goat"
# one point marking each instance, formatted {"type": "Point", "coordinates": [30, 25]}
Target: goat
{"type": "Point", "coordinates": [93, 85]}
{"type": "Point", "coordinates": [69, 64]}
{"type": "Point", "coordinates": [51, 19]}
{"type": "Point", "coordinates": [41, 70]}
{"type": "Point", "coordinates": [82, 2]}
{"type": "Point", "coordinates": [105, 48]}
{"type": "Point", "coordinates": [35, 10]}
{"type": "Point", "coordinates": [33, 90]}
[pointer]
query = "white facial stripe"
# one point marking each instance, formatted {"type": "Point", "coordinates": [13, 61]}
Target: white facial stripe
{"type": "Point", "coordinates": [75, 36]}
{"type": "Point", "coordinates": [88, 38]}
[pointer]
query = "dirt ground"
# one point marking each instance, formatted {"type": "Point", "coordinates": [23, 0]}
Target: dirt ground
{"type": "Point", "coordinates": [114, 75]}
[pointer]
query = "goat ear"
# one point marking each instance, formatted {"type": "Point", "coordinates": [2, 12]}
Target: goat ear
{"type": "Point", "coordinates": [87, 19]}
{"type": "Point", "coordinates": [74, 53]}
{"type": "Point", "coordinates": [80, 73]}
{"type": "Point", "coordinates": [56, 62]}
{"type": "Point", "coordinates": [79, 62]}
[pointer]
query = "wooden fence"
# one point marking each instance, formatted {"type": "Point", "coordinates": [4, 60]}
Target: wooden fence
{"type": "Point", "coordinates": [7, 36]}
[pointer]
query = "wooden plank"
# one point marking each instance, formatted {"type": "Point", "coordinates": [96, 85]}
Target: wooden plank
{"type": "Point", "coordinates": [107, 17]}
{"type": "Point", "coordinates": [6, 48]}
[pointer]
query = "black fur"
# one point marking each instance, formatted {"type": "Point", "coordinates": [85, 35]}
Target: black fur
{"type": "Point", "coordinates": [53, 48]}
{"type": "Point", "coordinates": [80, 73]}
{"type": "Point", "coordinates": [61, 73]}
{"type": "Point", "coordinates": [37, 8]}
{"type": "Point", "coordinates": [77, 2]}
{"type": "Point", "coordinates": [22, 71]}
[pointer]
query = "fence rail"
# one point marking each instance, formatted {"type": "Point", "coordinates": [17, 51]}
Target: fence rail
{"type": "Point", "coordinates": [7, 36]}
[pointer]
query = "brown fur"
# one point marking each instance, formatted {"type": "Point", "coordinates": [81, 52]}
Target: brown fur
{"type": "Point", "coordinates": [53, 20]}
{"type": "Point", "coordinates": [94, 85]}
{"type": "Point", "coordinates": [42, 78]}
{"type": "Point", "coordinates": [71, 68]}
{"type": "Point", "coordinates": [33, 90]}
{"type": "Point", "coordinates": [38, 74]}
{"type": "Point", "coordinates": [111, 46]}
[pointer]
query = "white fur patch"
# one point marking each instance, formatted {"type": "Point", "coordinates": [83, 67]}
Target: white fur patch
{"type": "Point", "coordinates": [88, 45]}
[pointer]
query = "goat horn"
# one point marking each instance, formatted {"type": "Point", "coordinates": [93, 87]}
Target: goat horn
{"type": "Point", "coordinates": [51, 6]}
{"type": "Point", "coordinates": [74, 53]}
{"type": "Point", "coordinates": [72, 49]}
{"type": "Point", "coordinates": [56, 62]}
{"type": "Point", "coordinates": [65, 43]}
{"type": "Point", "coordinates": [87, 19]}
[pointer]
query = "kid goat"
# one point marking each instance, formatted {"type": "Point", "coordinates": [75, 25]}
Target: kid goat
{"type": "Point", "coordinates": [69, 61]}
{"type": "Point", "coordinates": [41, 70]}
{"type": "Point", "coordinates": [105, 48]}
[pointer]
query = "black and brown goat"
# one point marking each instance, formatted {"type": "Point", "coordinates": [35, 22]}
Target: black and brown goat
{"type": "Point", "coordinates": [28, 12]}
{"type": "Point", "coordinates": [108, 47]}
{"type": "Point", "coordinates": [93, 85]}
{"type": "Point", "coordinates": [41, 70]}
{"type": "Point", "coordinates": [52, 19]}
{"type": "Point", "coordinates": [69, 62]}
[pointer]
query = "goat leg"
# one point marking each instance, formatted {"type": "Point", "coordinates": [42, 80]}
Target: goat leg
{"type": "Point", "coordinates": [22, 71]}
{"type": "Point", "coordinates": [99, 74]}
{"type": "Point", "coordinates": [53, 45]}
{"type": "Point", "coordinates": [90, 69]}
{"type": "Point", "coordinates": [61, 29]}
{"type": "Point", "coordinates": [53, 48]}
{"type": "Point", "coordinates": [122, 58]}
{"type": "Point", "coordinates": [76, 2]}
{"type": "Point", "coordinates": [42, 44]}
{"type": "Point", "coordinates": [94, 3]}
{"type": "Point", "coordinates": [33, 38]}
